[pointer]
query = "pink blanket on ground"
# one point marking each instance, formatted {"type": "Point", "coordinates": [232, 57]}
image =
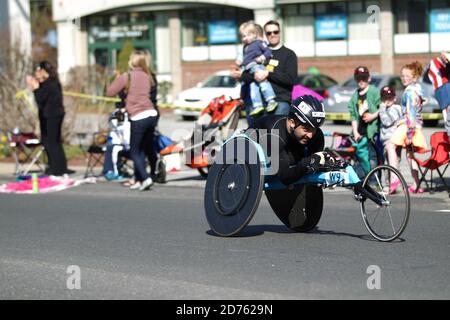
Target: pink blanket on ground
{"type": "Point", "coordinates": [46, 185]}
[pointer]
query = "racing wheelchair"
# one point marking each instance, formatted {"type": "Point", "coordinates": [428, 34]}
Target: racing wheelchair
{"type": "Point", "coordinates": [240, 174]}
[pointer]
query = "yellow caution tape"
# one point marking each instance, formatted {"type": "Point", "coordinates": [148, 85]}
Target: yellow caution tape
{"type": "Point", "coordinates": [22, 94]}
{"type": "Point", "coordinates": [90, 97]}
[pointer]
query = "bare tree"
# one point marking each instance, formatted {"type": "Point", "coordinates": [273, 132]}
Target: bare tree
{"type": "Point", "coordinates": [15, 65]}
{"type": "Point", "coordinates": [86, 82]}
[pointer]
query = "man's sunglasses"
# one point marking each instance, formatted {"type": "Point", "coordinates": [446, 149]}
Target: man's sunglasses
{"type": "Point", "coordinates": [269, 33]}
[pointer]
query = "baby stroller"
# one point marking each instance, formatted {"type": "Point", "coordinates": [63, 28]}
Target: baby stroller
{"type": "Point", "coordinates": [118, 147]}
{"type": "Point", "coordinates": [217, 122]}
{"type": "Point", "coordinates": [342, 146]}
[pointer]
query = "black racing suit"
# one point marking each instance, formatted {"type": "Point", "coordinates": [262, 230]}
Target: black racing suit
{"type": "Point", "coordinates": [291, 152]}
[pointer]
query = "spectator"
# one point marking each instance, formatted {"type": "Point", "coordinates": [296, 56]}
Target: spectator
{"type": "Point", "coordinates": [409, 133]}
{"type": "Point", "coordinates": [152, 152]}
{"type": "Point", "coordinates": [281, 70]}
{"type": "Point", "coordinates": [48, 94]}
{"type": "Point", "coordinates": [142, 113]}
{"type": "Point", "coordinates": [255, 53]}
{"type": "Point", "coordinates": [363, 108]}
{"type": "Point", "coordinates": [390, 115]}
{"type": "Point", "coordinates": [439, 75]}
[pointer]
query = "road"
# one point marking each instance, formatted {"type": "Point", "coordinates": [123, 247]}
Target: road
{"type": "Point", "coordinates": [158, 245]}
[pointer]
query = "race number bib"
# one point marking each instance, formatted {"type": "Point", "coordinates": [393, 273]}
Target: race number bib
{"type": "Point", "coordinates": [272, 65]}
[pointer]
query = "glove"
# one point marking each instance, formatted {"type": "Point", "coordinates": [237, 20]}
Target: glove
{"type": "Point", "coordinates": [320, 161]}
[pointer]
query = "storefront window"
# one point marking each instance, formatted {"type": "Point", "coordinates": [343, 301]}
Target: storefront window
{"type": "Point", "coordinates": [212, 26]}
{"type": "Point", "coordinates": [355, 7]}
{"type": "Point", "coordinates": [411, 16]}
{"type": "Point", "coordinates": [194, 28]}
{"type": "Point", "coordinates": [317, 29]}
{"type": "Point", "coordinates": [101, 57]}
{"type": "Point", "coordinates": [108, 34]}
{"type": "Point", "coordinates": [306, 9]}
{"type": "Point", "coordinates": [119, 26]}
{"type": "Point", "coordinates": [440, 4]}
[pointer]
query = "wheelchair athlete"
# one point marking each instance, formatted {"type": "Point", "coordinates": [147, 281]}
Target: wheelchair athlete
{"type": "Point", "coordinates": [301, 141]}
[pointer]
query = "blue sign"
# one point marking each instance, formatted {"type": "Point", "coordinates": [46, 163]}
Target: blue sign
{"type": "Point", "coordinates": [331, 27]}
{"type": "Point", "coordinates": [440, 21]}
{"type": "Point", "coordinates": [220, 32]}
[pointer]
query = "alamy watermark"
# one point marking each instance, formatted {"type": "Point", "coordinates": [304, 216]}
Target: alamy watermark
{"type": "Point", "coordinates": [374, 280]}
{"type": "Point", "coordinates": [374, 15]}
{"type": "Point", "coordinates": [74, 280]}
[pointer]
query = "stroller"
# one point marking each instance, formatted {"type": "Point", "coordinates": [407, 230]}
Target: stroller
{"type": "Point", "coordinates": [217, 122]}
{"type": "Point", "coordinates": [111, 150]}
{"type": "Point", "coordinates": [342, 146]}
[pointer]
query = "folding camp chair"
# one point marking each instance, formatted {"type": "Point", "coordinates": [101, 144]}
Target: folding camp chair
{"type": "Point", "coordinates": [27, 151]}
{"type": "Point", "coordinates": [94, 153]}
{"type": "Point", "coordinates": [439, 158]}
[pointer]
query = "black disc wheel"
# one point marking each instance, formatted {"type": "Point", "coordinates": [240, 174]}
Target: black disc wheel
{"type": "Point", "coordinates": [234, 187]}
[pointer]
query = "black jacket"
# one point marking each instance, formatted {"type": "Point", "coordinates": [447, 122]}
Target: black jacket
{"type": "Point", "coordinates": [290, 150]}
{"type": "Point", "coordinates": [283, 71]}
{"type": "Point", "coordinates": [49, 99]}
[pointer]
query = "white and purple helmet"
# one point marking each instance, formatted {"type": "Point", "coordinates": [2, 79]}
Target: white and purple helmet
{"type": "Point", "coordinates": [309, 111]}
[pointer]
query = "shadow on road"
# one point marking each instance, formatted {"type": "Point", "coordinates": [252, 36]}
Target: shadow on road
{"type": "Point", "coordinates": [255, 231]}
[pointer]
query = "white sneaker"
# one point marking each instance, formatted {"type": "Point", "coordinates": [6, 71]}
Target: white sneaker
{"type": "Point", "coordinates": [135, 186]}
{"type": "Point", "coordinates": [146, 184]}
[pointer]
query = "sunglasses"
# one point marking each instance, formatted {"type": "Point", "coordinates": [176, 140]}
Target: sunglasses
{"type": "Point", "coordinates": [269, 33]}
{"type": "Point", "coordinates": [361, 78]}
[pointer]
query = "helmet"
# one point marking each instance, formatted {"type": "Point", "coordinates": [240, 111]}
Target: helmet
{"type": "Point", "coordinates": [361, 73]}
{"type": "Point", "coordinates": [387, 92]}
{"type": "Point", "coordinates": [309, 111]}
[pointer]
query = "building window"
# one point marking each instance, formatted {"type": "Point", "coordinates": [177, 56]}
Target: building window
{"type": "Point", "coordinates": [416, 16]}
{"type": "Point", "coordinates": [421, 26]}
{"type": "Point", "coordinates": [212, 26]}
{"type": "Point", "coordinates": [411, 16]}
{"type": "Point", "coordinates": [109, 33]}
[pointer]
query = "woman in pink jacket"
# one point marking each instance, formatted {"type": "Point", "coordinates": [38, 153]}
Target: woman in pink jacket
{"type": "Point", "coordinates": [142, 113]}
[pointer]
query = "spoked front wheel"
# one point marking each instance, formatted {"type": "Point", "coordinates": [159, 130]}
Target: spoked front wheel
{"type": "Point", "coordinates": [385, 212]}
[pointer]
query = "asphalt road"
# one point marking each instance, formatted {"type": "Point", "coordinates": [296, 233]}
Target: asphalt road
{"type": "Point", "coordinates": [158, 245]}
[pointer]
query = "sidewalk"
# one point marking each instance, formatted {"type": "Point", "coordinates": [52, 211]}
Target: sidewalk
{"type": "Point", "coordinates": [187, 177]}
{"type": "Point", "coordinates": [184, 178]}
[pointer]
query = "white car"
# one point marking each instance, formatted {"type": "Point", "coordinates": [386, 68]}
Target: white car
{"type": "Point", "coordinates": [191, 102]}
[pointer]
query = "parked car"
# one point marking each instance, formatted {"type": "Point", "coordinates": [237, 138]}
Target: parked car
{"type": "Point", "coordinates": [317, 82]}
{"type": "Point", "coordinates": [336, 104]}
{"type": "Point", "coordinates": [191, 102]}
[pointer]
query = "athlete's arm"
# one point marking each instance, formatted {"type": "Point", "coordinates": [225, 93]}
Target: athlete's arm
{"type": "Point", "coordinates": [290, 173]}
